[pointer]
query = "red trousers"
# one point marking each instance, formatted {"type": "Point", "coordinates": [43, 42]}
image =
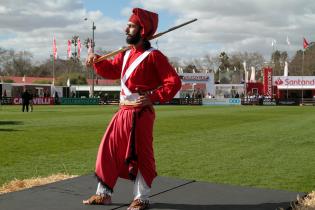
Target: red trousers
{"type": "Point", "coordinates": [127, 146]}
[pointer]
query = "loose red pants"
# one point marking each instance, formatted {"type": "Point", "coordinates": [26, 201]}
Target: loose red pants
{"type": "Point", "coordinates": [127, 146]}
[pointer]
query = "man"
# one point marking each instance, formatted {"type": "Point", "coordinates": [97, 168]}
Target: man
{"type": "Point", "coordinates": [25, 99]}
{"type": "Point", "coordinates": [146, 77]}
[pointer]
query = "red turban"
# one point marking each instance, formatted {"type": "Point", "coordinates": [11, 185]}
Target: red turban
{"type": "Point", "coordinates": [147, 20]}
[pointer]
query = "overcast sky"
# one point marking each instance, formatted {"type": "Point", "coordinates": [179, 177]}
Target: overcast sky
{"type": "Point", "coordinates": [234, 25]}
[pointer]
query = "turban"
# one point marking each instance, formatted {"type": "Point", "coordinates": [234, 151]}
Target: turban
{"type": "Point", "coordinates": [147, 20]}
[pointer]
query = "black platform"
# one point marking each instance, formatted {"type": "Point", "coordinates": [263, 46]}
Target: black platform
{"type": "Point", "coordinates": [167, 193]}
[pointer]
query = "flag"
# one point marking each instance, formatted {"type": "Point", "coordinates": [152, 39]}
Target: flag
{"type": "Point", "coordinates": [54, 48]}
{"type": "Point", "coordinates": [286, 69]}
{"type": "Point", "coordinates": [305, 43]}
{"type": "Point", "coordinates": [288, 41]}
{"type": "Point", "coordinates": [252, 75]}
{"type": "Point", "coordinates": [273, 42]}
{"type": "Point", "coordinates": [79, 47]}
{"type": "Point", "coordinates": [69, 49]}
{"type": "Point", "coordinates": [68, 82]}
{"type": "Point", "coordinates": [246, 76]}
{"type": "Point", "coordinates": [244, 65]}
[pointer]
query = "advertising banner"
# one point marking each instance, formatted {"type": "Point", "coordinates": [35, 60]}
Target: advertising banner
{"type": "Point", "coordinates": [268, 82]}
{"type": "Point", "coordinates": [36, 101]}
{"type": "Point", "coordinates": [223, 101]}
{"type": "Point", "coordinates": [294, 82]}
{"type": "Point", "coordinates": [80, 101]}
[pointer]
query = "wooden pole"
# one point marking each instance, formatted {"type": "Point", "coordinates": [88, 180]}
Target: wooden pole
{"type": "Point", "coordinates": [104, 57]}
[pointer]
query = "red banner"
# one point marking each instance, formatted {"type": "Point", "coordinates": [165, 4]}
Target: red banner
{"type": "Point", "coordinates": [268, 81]}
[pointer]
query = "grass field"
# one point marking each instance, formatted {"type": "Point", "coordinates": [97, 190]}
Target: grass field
{"type": "Point", "coordinates": [270, 147]}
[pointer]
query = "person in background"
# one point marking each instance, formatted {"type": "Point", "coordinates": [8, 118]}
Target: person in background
{"type": "Point", "coordinates": [25, 99]}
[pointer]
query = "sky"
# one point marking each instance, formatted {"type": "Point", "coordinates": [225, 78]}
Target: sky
{"type": "Point", "coordinates": [230, 26]}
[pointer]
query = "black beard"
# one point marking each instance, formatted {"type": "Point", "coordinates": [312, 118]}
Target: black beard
{"type": "Point", "coordinates": [133, 39]}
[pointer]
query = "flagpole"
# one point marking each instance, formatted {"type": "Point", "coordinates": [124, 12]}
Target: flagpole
{"type": "Point", "coordinates": [54, 57]}
{"type": "Point", "coordinates": [287, 73]}
{"type": "Point", "coordinates": [302, 77]}
{"type": "Point", "coordinates": [274, 68]}
{"type": "Point", "coordinates": [287, 83]}
{"type": "Point", "coordinates": [219, 76]}
{"type": "Point", "coordinates": [245, 82]}
{"type": "Point", "coordinates": [93, 45]}
{"type": "Point", "coordinates": [53, 82]}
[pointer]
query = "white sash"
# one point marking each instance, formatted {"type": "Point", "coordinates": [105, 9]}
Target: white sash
{"type": "Point", "coordinates": [131, 69]}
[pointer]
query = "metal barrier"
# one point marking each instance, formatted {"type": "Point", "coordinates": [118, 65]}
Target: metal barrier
{"type": "Point", "coordinates": [307, 101]}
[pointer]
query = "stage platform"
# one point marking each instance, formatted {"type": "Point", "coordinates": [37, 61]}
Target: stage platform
{"type": "Point", "coordinates": [167, 194]}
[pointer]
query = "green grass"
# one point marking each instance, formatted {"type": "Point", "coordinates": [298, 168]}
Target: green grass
{"type": "Point", "coordinates": [270, 147]}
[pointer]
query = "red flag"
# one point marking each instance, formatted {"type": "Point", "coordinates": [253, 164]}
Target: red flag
{"type": "Point", "coordinates": [54, 48]}
{"type": "Point", "coordinates": [305, 43]}
{"type": "Point", "coordinates": [79, 47]}
{"type": "Point", "coordinates": [69, 49]}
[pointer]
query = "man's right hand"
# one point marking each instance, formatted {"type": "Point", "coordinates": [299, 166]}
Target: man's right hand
{"type": "Point", "coordinates": [91, 59]}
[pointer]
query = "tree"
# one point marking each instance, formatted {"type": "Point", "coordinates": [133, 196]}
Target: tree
{"type": "Point", "coordinates": [237, 59]}
{"type": "Point", "coordinates": [16, 63]}
{"type": "Point", "coordinates": [295, 66]}
{"type": "Point", "coordinates": [224, 61]}
{"type": "Point", "coordinates": [211, 62]}
{"type": "Point", "coordinates": [190, 68]}
{"type": "Point", "coordinates": [224, 68]}
{"type": "Point", "coordinates": [174, 61]}
{"type": "Point", "coordinates": [75, 79]}
{"type": "Point", "coordinates": [275, 59]}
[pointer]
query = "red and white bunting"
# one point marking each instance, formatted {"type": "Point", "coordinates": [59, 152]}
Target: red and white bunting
{"type": "Point", "coordinates": [79, 48]}
{"type": "Point", "coordinates": [69, 49]}
{"type": "Point", "coordinates": [54, 48]}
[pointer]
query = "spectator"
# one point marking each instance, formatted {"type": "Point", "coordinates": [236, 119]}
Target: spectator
{"type": "Point", "coordinates": [56, 98]}
{"type": "Point", "coordinates": [25, 100]}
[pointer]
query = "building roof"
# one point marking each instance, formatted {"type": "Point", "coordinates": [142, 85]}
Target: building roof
{"type": "Point", "coordinates": [29, 80]}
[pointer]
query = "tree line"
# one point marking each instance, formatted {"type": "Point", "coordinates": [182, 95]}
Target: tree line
{"type": "Point", "coordinates": [227, 68]}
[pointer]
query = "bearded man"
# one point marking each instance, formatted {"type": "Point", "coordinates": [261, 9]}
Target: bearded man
{"type": "Point", "coordinates": [126, 149]}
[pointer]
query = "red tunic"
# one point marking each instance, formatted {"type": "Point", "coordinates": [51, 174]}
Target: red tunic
{"type": "Point", "coordinates": [153, 74]}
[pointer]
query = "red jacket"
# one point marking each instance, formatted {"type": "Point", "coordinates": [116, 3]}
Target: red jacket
{"type": "Point", "coordinates": [153, 74]}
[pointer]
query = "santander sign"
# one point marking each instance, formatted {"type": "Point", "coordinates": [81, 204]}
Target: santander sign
{"type": "Point", "coordinates": [295, 81]}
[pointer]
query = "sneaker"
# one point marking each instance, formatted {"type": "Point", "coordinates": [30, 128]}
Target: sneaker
{"type": "Point", "coordinates": [139, 205]}
{"type": "Point", "coordinates": [98, 200]}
